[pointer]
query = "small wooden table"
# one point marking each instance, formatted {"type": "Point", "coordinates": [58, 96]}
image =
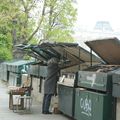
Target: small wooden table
{"type": "Point", "coordinates": [21, 92]}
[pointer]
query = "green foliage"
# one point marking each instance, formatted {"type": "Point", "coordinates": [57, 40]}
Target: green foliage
{"type": "Point", "coordinates": [18, 24]}
{"type": "Point", "coordinates": [27, 57]}
{"type": "Point", "coordinates": [5, 54]}
{"type": "Point", "coordinates": [15, 25]}
{"type": "Point", "coordinates": [57, 25]}
{"type": "Point", "coordinates": [5, 47]}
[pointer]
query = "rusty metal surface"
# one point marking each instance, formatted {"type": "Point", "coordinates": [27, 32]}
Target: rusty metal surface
{"type": "Point", "coordinates": [108, 49]}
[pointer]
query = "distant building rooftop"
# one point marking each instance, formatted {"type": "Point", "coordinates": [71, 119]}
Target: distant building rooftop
{"type": "Point", "coordinates": [103, 26]}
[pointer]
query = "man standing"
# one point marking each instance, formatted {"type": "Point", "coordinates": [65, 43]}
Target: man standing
{"type": "Point", "coordinates": [50, 84]}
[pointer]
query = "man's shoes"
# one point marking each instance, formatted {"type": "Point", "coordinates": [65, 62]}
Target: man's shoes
{"type": "Point", "coordinates": [46, 112]}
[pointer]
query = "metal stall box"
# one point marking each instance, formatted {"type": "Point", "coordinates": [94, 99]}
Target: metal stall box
{"type": "Point", "coordinates": [38, 73]}
{"type": "Point", "coordinates": [38, 70]}
{"type": "Point", "coordinates": [66, 95]}
{"type": "Point", "coordinates": [116, 85]}
{"type": "Point", "coordinates": [98, 81]}
{"type": "Point", "coordinates": [108, 50]}
{"type": "Point", "coordinates": [93, 106]}
{"type": "Point", "coordinates": [93, 98]}
{"type": "Point", "coordinates": [116, 92]}
{"type": "Point", "coordinates": [15, 69]}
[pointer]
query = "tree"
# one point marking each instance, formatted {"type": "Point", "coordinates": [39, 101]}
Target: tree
{"type": "Point", "coordinates": [54, 21]}
{"type": "Point", "coordinates": [5, 30]}
{"type": "Point", "coordinates": [16, 20]}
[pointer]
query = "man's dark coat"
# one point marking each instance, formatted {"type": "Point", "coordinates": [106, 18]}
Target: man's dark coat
{"type": "Point", "coordinates": [52, 78]}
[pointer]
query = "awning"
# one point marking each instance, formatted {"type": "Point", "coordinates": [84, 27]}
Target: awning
{"type": "Point", "coordinates": [108, 49]}
{"type": "Point", "coordinates": [69, 54]}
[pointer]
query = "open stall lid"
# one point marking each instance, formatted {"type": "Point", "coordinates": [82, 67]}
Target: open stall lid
{"type": "Point", "coordinates": [69, 53]}
{"type": "Point", "coordinates": [108, 49]}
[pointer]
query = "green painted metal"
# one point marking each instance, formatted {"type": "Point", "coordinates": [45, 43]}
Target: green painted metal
{"type": "Point", "coordinates": [93, 106]}
{"type": "Point", "coordinates": [12, 71]}
{"type": "Point", "coordinates": [38, 70]}
{"type": "Point", "coordinates": [116, 85]}
{"type": "Point", "coordinates": [18, 66]}
{"type": "Point", "coordinates": [34, 70]}
{"type": "Point", "coordinates": [96, 81]}
{"type": "Point", "coordinates": [65, 97]}
{"type": "Point", "coordinates": [116, 78]}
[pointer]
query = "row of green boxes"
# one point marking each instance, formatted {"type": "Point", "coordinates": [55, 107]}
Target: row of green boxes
{"type": "Point", "coordinates": [83, 104]}
{"type": "Point", "coordinates": [90, 99]}
{"type": "Point", "coordinates": [12, 71]}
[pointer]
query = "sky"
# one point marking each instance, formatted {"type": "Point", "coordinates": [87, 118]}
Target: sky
{"type": "Point", "coordinates": [90, 11]}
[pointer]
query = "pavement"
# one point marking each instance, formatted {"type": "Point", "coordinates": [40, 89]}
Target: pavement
{"type": "Point", "coordinates": [7, 114]}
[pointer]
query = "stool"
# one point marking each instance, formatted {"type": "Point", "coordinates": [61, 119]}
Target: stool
{"type": "Point", "coordinates": [27, 103]}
